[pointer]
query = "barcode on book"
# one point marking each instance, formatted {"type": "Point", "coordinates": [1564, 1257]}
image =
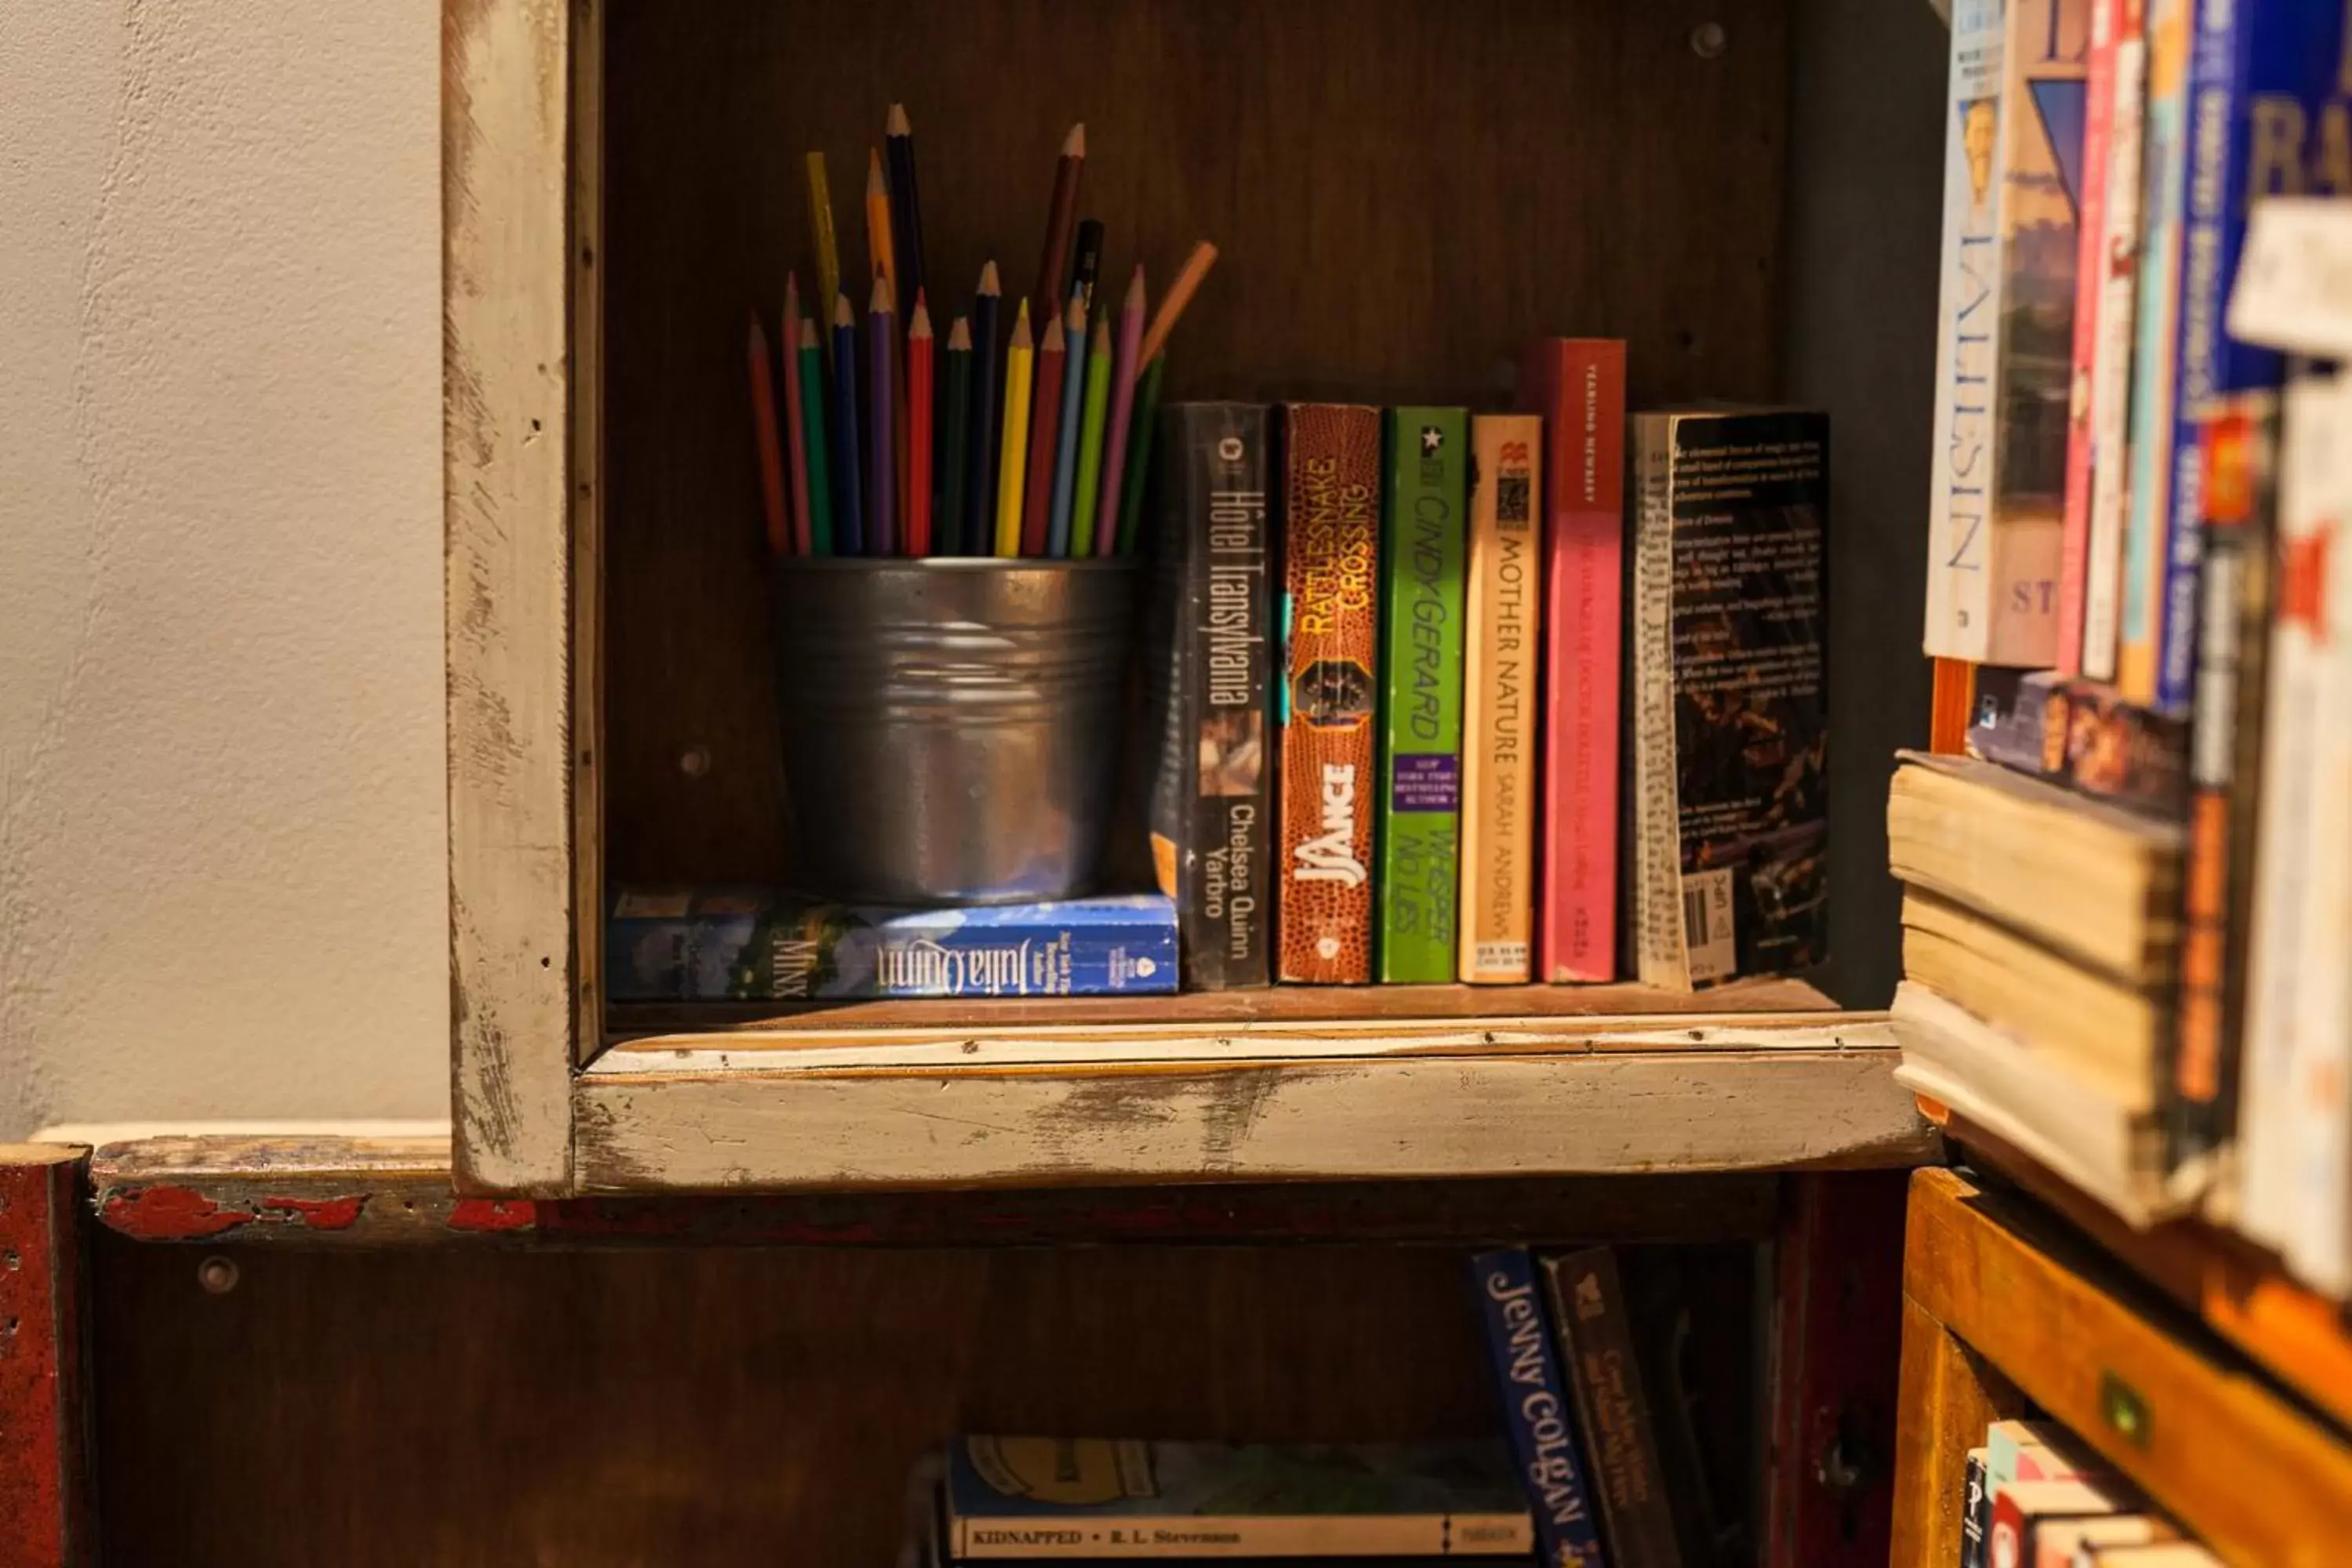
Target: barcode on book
{"type": "Point", "coordinates": [1707, 925]}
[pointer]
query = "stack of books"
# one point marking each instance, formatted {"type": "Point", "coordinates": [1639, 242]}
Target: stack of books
{"type": "Point", "coordinates": [2035, 1496]}
{"type": "Point", "coordinates": [1049, 1500]}
{"type": "Point", "coordinates": [2126, 925]}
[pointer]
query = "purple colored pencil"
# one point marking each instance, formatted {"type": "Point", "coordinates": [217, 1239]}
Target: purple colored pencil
{"type": "Point", "coordinates": [1123, 371]}
{"type": "Point", "coordinates": [882, 441]}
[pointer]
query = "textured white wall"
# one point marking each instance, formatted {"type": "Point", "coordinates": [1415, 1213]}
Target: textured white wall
{"type": "Point", "coordinates": [221, 831]}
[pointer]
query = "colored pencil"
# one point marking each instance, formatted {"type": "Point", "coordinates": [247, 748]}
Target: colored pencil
{"type": "Point", "coordinates": [987, 383]}
{"type": "Point", "coordinates": [905, 204]}
{"type": "Point", "coordinates": [771, 458]}
{"type": "Point", "coordinates": [1045, 417]}
{"type": "Point", "coordinates": [1086, 265]}
{"type": "Point", "coordinates": [881, 259]}
{"type": "Point", "coordinates": [804, 532]}
{"type": "Point", "coordinates": [1138, 460]}
{"type": "Point", "coordinates": [918, 429]}
{"type": "Point", "coordinates": [1093, 409]}
{"type": "Point", "coordinates": [1123, 407]}
{"type": "Point", "coordinates": [848, 517]}
{"type": "Point", "coordinates": [1180, 294]}
{"type": "Point", "coordinates": [1016, 429]}
{"type": "Point", "coordinates": [820, 489]}
{"type": "Point", "coordinates": [955, 437]}
{"type": "Point", "coordinates": [821, 235]}
{"type": "Point", "coordinates": [1066, 430]}
{"type": "Point", "coordinates": [1046, 294]}
{"type": "Point", "coordinates": [882, 401]}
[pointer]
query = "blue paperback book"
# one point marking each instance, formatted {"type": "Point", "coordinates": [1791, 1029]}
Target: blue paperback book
{"type": "Point", "coordinates": [1535, 1407]}
{"type": "Point", "coordinates": [2268, 115]}
{"type": "Point", "coordinates": [721, 944]}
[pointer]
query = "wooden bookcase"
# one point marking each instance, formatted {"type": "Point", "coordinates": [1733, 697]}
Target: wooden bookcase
{"type": "Point", "coordinates": [1403, 193]}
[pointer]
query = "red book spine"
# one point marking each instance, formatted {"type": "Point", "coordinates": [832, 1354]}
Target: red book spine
{"type": "Point", "coordinates": [2090, 272]}
{"type": "Point", "coordinates": [1577, 385]}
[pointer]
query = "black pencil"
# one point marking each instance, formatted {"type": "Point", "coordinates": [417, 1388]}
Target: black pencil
{"type": "Point", "coordinates": [906, 208]}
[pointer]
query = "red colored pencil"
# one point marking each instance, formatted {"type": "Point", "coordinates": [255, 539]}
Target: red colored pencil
{"type": "Point", "coordinates": [772, 457]}
{"type": "Point", "coordinates": [1061, 218]}
{"type": "Point", "coordinates": [795, 437]}
{"type": "Point", "coordinates": [1045, 431]}
{"type": "Point", "coordinates": [918, 429]}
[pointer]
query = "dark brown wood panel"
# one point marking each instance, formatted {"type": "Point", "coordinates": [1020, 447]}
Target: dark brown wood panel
{"type": "Point", "coordinates": [436, 1406]}
{"type": "Point", "coordinates": [1403, 190]}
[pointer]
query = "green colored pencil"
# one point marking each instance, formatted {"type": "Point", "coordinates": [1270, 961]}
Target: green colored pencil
{"type": "Point", "coordinates": [955, 434]}
{"type": "Point", "coordinates": [1138, 448]}
{"type": "Point", "coordinates": [1090, 440]}
{"type": "Point", "coordinates": [812, 420]}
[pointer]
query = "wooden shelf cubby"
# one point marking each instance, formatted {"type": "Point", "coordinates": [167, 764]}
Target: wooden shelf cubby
{"type": "Point", "coordinates": [1402, 192]}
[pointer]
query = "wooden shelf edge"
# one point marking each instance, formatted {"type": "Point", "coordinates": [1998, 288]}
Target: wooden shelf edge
{"type": "Point", "coordinates": [2240, 1292]}
{"type": "Point", "coordinates": [2250, 1473]}
{"type": "Point", "coordinates": [317, 1190]}
{"type": "Point", "coordinates": [1403, 1116]}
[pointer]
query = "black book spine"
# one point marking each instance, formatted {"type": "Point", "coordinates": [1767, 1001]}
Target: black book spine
{"type": "Point", "coordinates": [1211, 800]}
{"type": "Point", "coordinates": [1588, 1303]}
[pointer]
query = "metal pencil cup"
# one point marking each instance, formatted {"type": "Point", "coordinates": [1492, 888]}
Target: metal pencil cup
{"type": "Point", "coordinates": [952, 726]}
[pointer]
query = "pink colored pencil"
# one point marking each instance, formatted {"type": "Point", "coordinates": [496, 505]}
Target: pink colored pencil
{"type": "Point", "coordinates": [763, 419]}
{"type": "Point", "coordinates": [795, 437]}
{"type": "Point", "coordinates": [1123, 371]}
{"type": "Point", "coordinates": [918, 429]}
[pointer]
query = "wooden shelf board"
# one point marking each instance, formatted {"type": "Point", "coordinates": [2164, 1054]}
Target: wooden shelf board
{"type": "Point", "coordinates": [2246, 1469]}
{"type": "Point", "coordinates": [324, 1189]}
{"type": "Point", "coordinates": [2239, 1291]}
{"type": "Point", "coordinates": [1342, 1101]}
{"type": "Point", "coordinates": [766, 1022]}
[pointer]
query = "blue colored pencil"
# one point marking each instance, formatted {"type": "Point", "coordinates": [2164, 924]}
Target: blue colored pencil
{"type": "Point", "coordinates": [1066, 443]}
{"type": "Point", "coordinates": [848, 514]}
{"type": "Point", "coordinates": [881, 435]}
{"type": "Point", "coordinates": [987, 390]}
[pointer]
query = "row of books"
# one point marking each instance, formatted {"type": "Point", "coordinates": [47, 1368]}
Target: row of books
{"type": "Point", "coordinates": [2127, 917]}
{"type": "Point", "coordinates": [1582, 1481]}
{"type": "Point", "coordinates": [1395, 648]}
{"type": "Point", "coordinates": [2037, 1498]}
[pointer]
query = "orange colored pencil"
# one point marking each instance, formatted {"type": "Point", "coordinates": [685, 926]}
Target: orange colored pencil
{"type": "Point", "coordinates": [1045, 432]}
{"type": "Point", "coordinates": [879, 252]}
{"type": "Point", "coordinates": [772, 456]}
{"type": "Point", "coordinates": [918, 429]}
{"type": "Point", "coordinates": [1180, 294]}
{"type": "Point", "coordinates": [1061, 221]}
{"type": "Point", "coordinates": [795, 437]}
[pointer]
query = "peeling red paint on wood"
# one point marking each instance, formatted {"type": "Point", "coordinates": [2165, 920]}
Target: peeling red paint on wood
{"type": "Point", "coordinates": [321, 1214]}
{"type": "Point", "coordinates": [493, 1216]}
{"type": "Point", "coordinates": [43, 1523]}
{"type": "Point", "coordinates": [168, 1213]}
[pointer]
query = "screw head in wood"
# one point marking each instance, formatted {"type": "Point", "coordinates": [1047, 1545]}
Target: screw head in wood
{"type": "Point", "coordinates": [1707, 40]}
{"type": "Point", "coordinates": [217, 1274]}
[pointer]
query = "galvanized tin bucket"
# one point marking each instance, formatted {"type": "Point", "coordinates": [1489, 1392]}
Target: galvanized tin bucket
{"type": "Point", "coordinates": [952, 726]}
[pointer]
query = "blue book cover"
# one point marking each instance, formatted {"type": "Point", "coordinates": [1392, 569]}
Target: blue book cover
{"type": "Point", "coordinates": [1535, 1407]}
{"type": "Point", "coordinates": [722, 945]}
{"type": "Point", "coordinates": [2267, 116]}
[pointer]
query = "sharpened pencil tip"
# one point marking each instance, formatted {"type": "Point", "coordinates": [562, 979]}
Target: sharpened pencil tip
{"type": "Point", "coordinates": [919, 323]}
{"type": "Point", "coordinates": [1074, 145]}
{"type": "Point", "coordinates": [874, 185]}
{"type": "Point", "coordinates": [1102, 338]}
{"type": "Point", "coordinates": [1134, 300]}
{"type": "Point", "coordinates": [895, 123]}
{"type": "Point", "coordinates": [843, 316]}
{"type": "Point", "coordinates": [1073, 320]}
{"type": "Point", "coordinates": [809, 339]}
{"type": "Point", "coordinates": [960, 335]}
{"type": "Point", "coordinates": [882, 303]}
{"type": "Point", "coordinates": [988, 283]}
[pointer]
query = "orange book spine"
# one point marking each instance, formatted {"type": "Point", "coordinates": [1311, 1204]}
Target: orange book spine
{"type": "Point", "coordinates": [1331, 782]}
{"type": "Point", "coordinates": [1499, 699]}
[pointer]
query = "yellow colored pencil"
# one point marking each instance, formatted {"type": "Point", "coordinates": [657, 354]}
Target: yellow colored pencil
{"type": "Point", "coordinates": [877, 222]}
{"type": "Point", "coordinates": [1012, 453]}
{"type": "Point", "coordinates": [828, 250]}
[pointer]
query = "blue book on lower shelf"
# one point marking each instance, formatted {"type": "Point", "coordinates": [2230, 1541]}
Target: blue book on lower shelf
{"type": "Point", "coordinates": [1536, 1408]}
{"type": "Point", "coordinates": [752, 944]}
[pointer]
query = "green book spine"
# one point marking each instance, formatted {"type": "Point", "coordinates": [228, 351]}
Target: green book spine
{"type": "Point", "coordinates": [1422, 617]}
